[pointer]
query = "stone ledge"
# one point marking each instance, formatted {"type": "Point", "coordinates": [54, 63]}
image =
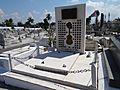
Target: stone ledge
{"type": "Point", "coordinates": [53, 70]}
{"type": "Point", "coordinates": [112, 69]}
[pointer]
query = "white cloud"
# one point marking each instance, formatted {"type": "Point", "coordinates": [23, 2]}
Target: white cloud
{"type": "Point", "coordinates": [14, 15]}
{"type": "Point", "coordinates": [1, 12]}
{"type": "Point", "coordinates": [30, 14]}
{"type": "Point", "coordinates": [107, 1]}
{"type": "Point", "coordinates": [112, 0]}
{"type": "Point", "coordinates": [39, 16]}
{"type": "Point", "coordinates": [53, 16]}
{"type": "Point", "coordinates": [75, 1]}
{"type": "Point", "coordinates": [92, 6]}
{"type": "Point", "coordinates": [35, 15]}
{"type": "Point", "coordinates": [103, 8]}
{"type": "Point", "coordinates": [45, 12]}
{"type": "Point", "coordinates": [35, 12]}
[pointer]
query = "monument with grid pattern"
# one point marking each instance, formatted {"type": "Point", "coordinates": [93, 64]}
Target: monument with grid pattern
{"type": "Point", "coordinates": [70, 28]}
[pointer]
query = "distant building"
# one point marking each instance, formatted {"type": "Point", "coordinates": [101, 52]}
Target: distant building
{"type": "Point", "coordinates": [115, 24]}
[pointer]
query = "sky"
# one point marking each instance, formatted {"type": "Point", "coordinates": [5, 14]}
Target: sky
{"type": "Point", "coordinates": [20, 10]}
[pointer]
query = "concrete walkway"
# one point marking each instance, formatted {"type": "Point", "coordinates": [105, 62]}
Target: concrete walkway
{"type": "Point", "coordinates": [7, 87]}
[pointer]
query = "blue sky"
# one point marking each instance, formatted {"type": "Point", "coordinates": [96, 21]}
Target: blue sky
{"type": "Point", "coordinates": [20, 10]}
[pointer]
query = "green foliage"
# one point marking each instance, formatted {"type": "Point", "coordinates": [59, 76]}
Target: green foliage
{"type": "Point", "coordinates": [38, 25]}
{"type": "Point", "coordinates": [29, 22]}
{"type": "Point", "coordinates": [46, 26]}
{"type": "Point", "coordinates": [52, 24]}
{"type": "Point", "coordinates": [48, 17]}
{"type": "Point", "coordinates": [20, 24]}
{"type": "Point", "coordinates": [9, 22]}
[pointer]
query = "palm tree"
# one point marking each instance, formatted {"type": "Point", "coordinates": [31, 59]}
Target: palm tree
{"type": "Point", "coordinates": [52, 26]}
{"type": "Point", "coordinates": [20, 24]}
{"type": "Point", "coordinates": [9, 22]}
{"type": "Point", "coordinates": [6, 22]}
{"type": "Point", "coordinates": [29, 22]}
{"type": "Point", "coordinates": [46, 26]}
{"type": "Point", "coordinates": [48, 17]}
